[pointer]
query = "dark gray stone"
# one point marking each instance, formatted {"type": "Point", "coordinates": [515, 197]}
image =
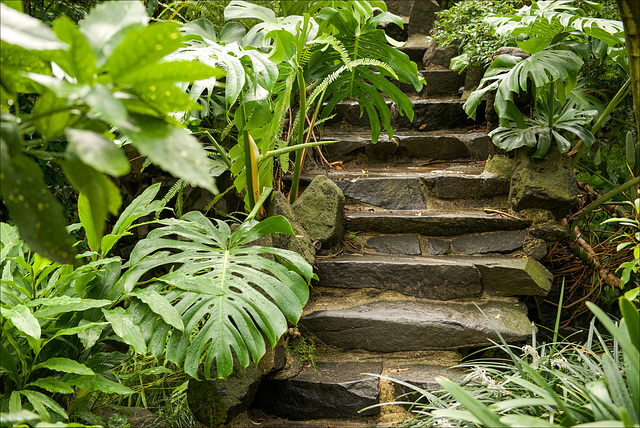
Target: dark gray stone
{"type": "Point", "coordinates": [420, 376]}
{"type": "Point", "coordinates": [321, 209]}
{"type": "Point", "coordinates": [437, 57]}
{"type": "Point", "coordinates": [435, 114]}
{"type": "Point", "coordinates": [438, 247]}
{"type": "Point", "coordinates": [432, 224]}
{"type": "Point", "coordinates": [472, 80]}
{"type": "Point", "coordinates": [507, 277]}
{"type": "Point", "coordinates": [479, 145]}
{"type": "Point", "coordinates": [549, 231]}
{"type": "Point", "coordinates": [343, 150]}
{"type": "Point", "coordinates": [382, 149]}
{"type": "Point", "coordinates": [442, 81]}
{"type": "Point", "coordinates": [513, 51]}
{"type": "Point", "coordinates": [301, 242]}
{"type": "Point", "coordinates": [466, 186]}
{"type": "Point", "coordinates": [393, 193]}
{"type": "Point", "coordinates": [421, 325]}
{"type": "Point", "coordinates": [441, 147]}
{"type": "Point", "coordinates": [400, 7]}
{"type": "Point", "coordinates": [395, 244]}
{"type": "Point", "coordinates": [489, 242]}
{"type": "Point", "coordinates": [333, 390]}
{"type": "Point", "coordinates": [424, 277]}
{"type": "Point", "coordinates": [547, 183]}
{"type": "Point", "coordinates": [215, 402]}
{"type": "Point", "coordinates": [423, 17]}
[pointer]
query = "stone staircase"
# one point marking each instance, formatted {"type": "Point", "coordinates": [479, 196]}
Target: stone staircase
{"type": "Point", "coordinates": [432, 264]}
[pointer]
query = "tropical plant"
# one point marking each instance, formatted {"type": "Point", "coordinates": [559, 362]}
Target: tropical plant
{"type": "Point", "coordinates": [549, 385]}
{"type": "Point", "coordinates": [632, 267]}
{"type": "Point", "coordinates": [330, 48]}
{"type": "Point", "coordinates": [556, 37]}
{"type": "Point", "coordinates": [95, 89]}
{"type": "Point", "coordinates": [463, 24]}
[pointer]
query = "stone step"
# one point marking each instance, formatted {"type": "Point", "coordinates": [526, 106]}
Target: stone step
{"type": "Point", "coordinates": [412, 244]}
{"type": "Point", "coordinates": [432, 223]}
{"type": "Point", "coordinates": [404, 147]}
{"type": "Point", "coordinates": [419, 188]}
{"type": "Point", "coordinates": [389, 321]}
{"type": "Point", "coordinates": [340, 385]}
{"type": "Point", "coordinates": [439, 82]}
{"type": "Point", "coordinates": [437, 277]}
{"type": "Point", "coordinates": [430, 114]}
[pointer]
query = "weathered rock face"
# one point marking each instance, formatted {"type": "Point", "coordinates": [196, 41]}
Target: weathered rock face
{"type": "Point", "coordinates": [334, 390]}
{"type": "Point", "coordinates": [215, 402]}
{"type": "Point", "coordinates": [423, 16]}
{"type": "Point", "coordinates": [472, 80]}
{"type": "Point", "coordinates": [301, 243]}
{"type": "Point", "coordinates": [395, 244]}
{"type": "Point", "coordinates": [435, 56]}
{"type": "Point", "coordinates": [321, 209]}
{"type": "Point", "coordinates": [547, 183]}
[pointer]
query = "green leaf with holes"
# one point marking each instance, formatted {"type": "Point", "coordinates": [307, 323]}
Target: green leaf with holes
{"type": "Point", "coordinates": [38, 215]}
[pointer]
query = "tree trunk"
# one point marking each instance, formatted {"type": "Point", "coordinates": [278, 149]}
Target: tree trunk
{"type": "Point", "coordinates": [630, 14]}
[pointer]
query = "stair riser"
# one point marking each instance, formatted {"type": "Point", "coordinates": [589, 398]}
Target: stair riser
{"type": "Point", "coordinates": [429, 115]}
{"type": "Point", "coordinates": [438, 82]}
{"type": "Point", "coordinates": [392, 327]}
{"type": "Point", "coordinates": [426, 280]}
{"type": "Point", "coordinates": [407, 149]}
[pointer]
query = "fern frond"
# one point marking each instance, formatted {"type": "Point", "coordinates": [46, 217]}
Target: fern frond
{"type": "Point", "coordinates": [336, 44]}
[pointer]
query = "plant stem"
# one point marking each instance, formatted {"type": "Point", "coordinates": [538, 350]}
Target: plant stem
{"type": "Point", "coordinates": [219, 148]}
{"type": "Point", "coordinates": [301, 114]}
{"type": "Point", "coordinates": [247, 158]}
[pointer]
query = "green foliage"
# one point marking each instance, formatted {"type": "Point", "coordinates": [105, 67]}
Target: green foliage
{"type": "Point", "coordinates": [550, 385]}
{"type": "Point", "coordinates": [554, 34]}
{"type": "Point", "coordinates": [632, 240]}
{"type": "Point", "coordinates": [95, 87]}
{"type": "Point", "coordinates": [463, 23]}
{"type": "Point", "coordinates": [217, 279]}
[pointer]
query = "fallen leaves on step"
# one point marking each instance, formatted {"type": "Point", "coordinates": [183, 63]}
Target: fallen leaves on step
{"type": "Point", "coordinates": [336, 165]}
{"type": "Point", "coordinates": [398, 370]}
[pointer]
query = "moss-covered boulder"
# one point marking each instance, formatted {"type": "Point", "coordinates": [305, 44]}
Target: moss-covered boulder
{"type": "Point", "coordinates": [321, 209]}
{"type": "Point", "coordinates": [547, 183]}
{"type": "Point", "coordinates": [301, 242]}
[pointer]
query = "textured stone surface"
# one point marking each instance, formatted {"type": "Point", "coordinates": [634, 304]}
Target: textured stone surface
{"type": "Point", "coordinates": [216, 402]}
{"type": "Point", "coordinates": [500, 165]}
{"type": "Point", "coordinates": [423, 16]}
{"type": "Point", "coordinates": [436, 114]}
{"type": "Point", "coordinates": [547, 183]}
{"type": "Point", "coordinates": [418, 375]}
{"type": "Point", "coordinates": [393, 193]}
{"type": "Point", "coordinates": [438, 57]}
{"type": "Point", "coordinates": [431, 223]}
{"type": "Point", "coordinates": [321, 209]}
{"type": "Point", "coordinates": [441, 147]}
{"type": "Point", "coordinates": [442, 81]}
{"type": "Point", "coordinates": [393, 326]}
{"type": "Point", "coordinates": [472, 80]}
{"type": "Point", "coordinates": [334, 390]}
{"type": "Point", "coordinates": [301, 242]}
{"type": "Point", "coordinates": [549, 231]}
{"type": "Point", "coordinates": [425, 277]}
{"type": "Point", "coordinates": [490, 242]}
{"type": "Point", "coordinates": [395, 244]}
{"type": "Point", "coordinates": [504, 276]}
{"type": "Point", "coordinates": [466, 186]}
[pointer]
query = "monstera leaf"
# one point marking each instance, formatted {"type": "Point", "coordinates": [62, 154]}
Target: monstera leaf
{"type": "Point", "coordinates": [227, 293]}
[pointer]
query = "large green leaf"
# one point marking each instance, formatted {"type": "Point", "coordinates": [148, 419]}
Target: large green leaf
{"type": "Point", "coordinates": [52, 384]}
{"type": "Point", "coordinates": [124, 327]}
{"type": "Point", "coordinates": [141, 206]}
{"type": "Point", "coordinates": [38, 215]}
{"type": "Point", "coordinates": [41, 402]}
{"type": "Point", "coordinates": [100, 383]}
{"type": "Point", "coordinates": [15, 61]}
{"type": "Point", "coordinates": [227, 293]}
{"type": "Point", "coordinates": [25, 31]}
{"type": "Point", "coordinates": [171, 148]}
{"type": "Point", "coordinates": [64, 365]}
{"type": "Point", "coordinates": [23, 319]}
{"type": "Point", "coordinates": [97, 151]}
{"type": "Point", "coordinates": [106, 25]}
{"type": "Point", "coordinates": [79, 61]}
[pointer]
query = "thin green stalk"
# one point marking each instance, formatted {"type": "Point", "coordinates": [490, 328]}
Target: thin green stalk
{"type": "Point", "coordinates": [263, 197]}
{"type": "Point", "coordinates": [601, 200]}
{"type": "Point", "coordinates": [290, 149]}
{"type": "Point", "coordinates": [219, 148]}
{"type": "Point", "coordinates": [247, 159]}
{"type": "Point", "coordinates": [298, 164]}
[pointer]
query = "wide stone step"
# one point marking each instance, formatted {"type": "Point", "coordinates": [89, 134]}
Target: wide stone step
{"type": "Point", "coordinates": [419, 188]}
{"type": "Point", "coordinates": [392, 322]}
{"type": "Point", "coordinates": [430, 114]}
{"type": "Point", "coordinates": [340, 385]}
{"type": "Point", "coordinates": [405, 147]}
{"type": "Point", "coordinates": [437, 278]}
{"type": "Point", "coordinates": [432, 223]}
{"type": "Point", "coordinates": [438, 82]}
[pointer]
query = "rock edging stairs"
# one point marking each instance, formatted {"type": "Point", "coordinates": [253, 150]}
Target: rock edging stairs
{"type": "Point", "coordinates": [432, 265]}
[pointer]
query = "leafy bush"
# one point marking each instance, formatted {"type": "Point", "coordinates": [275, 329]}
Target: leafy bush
{"type": "Point", "coordinates": [95, 88]}
{"type": "Point", "coordinates": [550, 385]}
{"type": "Point", "coordinates": [463, 23]}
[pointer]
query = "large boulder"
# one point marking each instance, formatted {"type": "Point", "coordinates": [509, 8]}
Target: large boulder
{"type": "Point", "coordinates": [215, 402]}
{"type": "Point", "coordinates": [423, 17]}
{"type": "Point", "coordinates": [321, 209]}
{"type": "Point", "coordinates": [301, 242]}
{"type": "Point", "coordinates": [439, 57]}
{"type": "Point", "coordinates": [547, 183]}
